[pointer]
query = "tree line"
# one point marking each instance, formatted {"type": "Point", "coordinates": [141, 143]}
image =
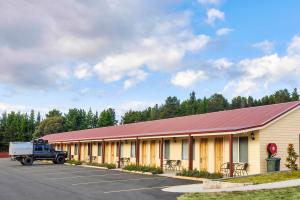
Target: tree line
{"type": "Point", "coordinates": [172, 106]}
{"type": "Point", "coordinates": [17, 126]}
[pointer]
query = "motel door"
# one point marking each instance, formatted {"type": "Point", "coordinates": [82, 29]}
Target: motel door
{"type": "Point", "coordinates": [152, 153]}
{"type": "Point", "coordinates": [144, 152]}
{"type": "Point", "coordinates": [106, 152]}
{"type": "Point", "coordinates": [218, 154]}
{"type": "Point", "coordinates": [203, 154]}
{"type": "Point", "coordinates": [112, 150]}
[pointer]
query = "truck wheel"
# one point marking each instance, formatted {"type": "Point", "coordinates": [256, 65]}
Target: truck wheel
{"type": "Point", "coordinates": [27, 161]}
{"type": "Point", "coordinates": [60, 160]}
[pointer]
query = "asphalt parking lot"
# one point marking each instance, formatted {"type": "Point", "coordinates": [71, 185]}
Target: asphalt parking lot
{"type": "Point", "coordinates": [44, 181]}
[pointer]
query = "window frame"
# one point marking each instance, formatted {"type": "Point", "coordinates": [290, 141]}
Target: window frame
{"type": "Point", "coordinates": [238, 155]}
{"type": "Point", "coordinates": [165, 149]}
{"type": "Point", "coordinates": [75, 149]}
{"type": "Point", "coordinates": [133, 149]}
{"type": "Point", "coordinates": [99, 149]}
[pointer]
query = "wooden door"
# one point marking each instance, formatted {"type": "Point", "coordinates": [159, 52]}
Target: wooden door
{"type": "Point", "coordinates": [218, 154]}
{"type": "Point", "coordinates": [203, 154]}
{"type": "Point", "coordinates": [152, 154]}
{"type": "Point", "coordinates": [112, 150]}
{"type": "Point", "coordinates": [106, 152]}
{"type": "Point", "coordinates": [144, 153]}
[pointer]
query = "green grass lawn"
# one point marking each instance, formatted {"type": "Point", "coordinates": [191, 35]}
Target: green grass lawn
{"type": "Point", "coordinates": [267, 178]}
{"type": "Point", "coordinates": [290, 193]}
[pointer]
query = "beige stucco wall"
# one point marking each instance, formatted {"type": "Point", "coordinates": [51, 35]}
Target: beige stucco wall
{"type": "Point", "coordinates": [282, 132]}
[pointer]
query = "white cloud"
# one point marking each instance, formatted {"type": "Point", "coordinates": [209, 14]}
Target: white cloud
{"type": "Point", "coordinates": [294, 46]}
{"type": "Point", "coordinates": [214, 14]}
{"type": "Point", "coordinates": [124, 37]}
{"type": "Point", "coordinates": [221, 63]}
{"type": "Point", "coordinates": [132, 105]}
{"type": "Point", "coordinates": [164, 50]}
{"type": "Point", "coordinates": [223, 31]}
{"type": "Point", "coordinates": [262, 71]}
{"type": "Point", "coordinates": [207, 2]}
{"type": "Point", "coordinates": [83, 71]}
{"type": "Point", "coordinates": [135, 77]}
{"type": "Point", "coordinates": [84, 91]}
{"type": "Point", "coordinates": [8, 107]}
{"type": "Point", "coordinates": [266, 46]}
{"type": "Point", "coordinates": [188, 78]}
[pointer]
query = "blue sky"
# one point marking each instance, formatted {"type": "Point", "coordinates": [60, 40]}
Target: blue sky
{"type": "Point", "coordinates": [129, 54]}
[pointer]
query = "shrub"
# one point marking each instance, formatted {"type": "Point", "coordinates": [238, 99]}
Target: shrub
{"type": "Point", "coordinates": [141, 168]}
{"type": "Point", "coordinates": [107, 165]}
{"type": "Point", "coordinates": [292, 158]}
{"type": "Point", "coordinates": [74, 162]}
{"type": "Point", "coordinates": [199, 174]}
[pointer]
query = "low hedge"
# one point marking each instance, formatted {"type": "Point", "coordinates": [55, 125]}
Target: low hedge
{"type": "Point", "coordinates": [141, 168]}
{"type": "Point", "coordinates": [199, 174]}
{"type": "Point", "coordinates": [107, 165]}
{"type": "Point", "coordinates": [74, 162]}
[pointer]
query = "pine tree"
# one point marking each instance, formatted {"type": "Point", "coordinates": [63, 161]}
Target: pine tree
{"type": "Point", "coordinates": [295, 95]}
{"type": "Point", "coordinates": [292, 158]}
{"type": "Point", "coordinates": [90, 119]}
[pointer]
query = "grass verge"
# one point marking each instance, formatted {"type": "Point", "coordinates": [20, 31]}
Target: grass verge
{"type": "Point", "coordinates": [199, 174]}
{"type": "Point", "coordinates": [74, 162]}
{"type": "Point", "coordinates": [267, 178]}
{"type": "Point", "coordinates": [290, 193]}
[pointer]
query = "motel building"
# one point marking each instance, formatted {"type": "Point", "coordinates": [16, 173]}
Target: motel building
{"type": "Point", "coordinates": [205, 142]}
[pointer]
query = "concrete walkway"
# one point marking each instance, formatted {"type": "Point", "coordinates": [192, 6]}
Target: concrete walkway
{"type": "Point", "coordinates": [199, 187]}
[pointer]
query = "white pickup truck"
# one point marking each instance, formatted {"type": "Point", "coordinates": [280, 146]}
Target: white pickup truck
{"type": "Point", "coordinates": [27, 152]}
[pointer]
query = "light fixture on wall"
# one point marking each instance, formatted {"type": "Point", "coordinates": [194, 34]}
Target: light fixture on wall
{"type": "Point", "coordinates": [252, 136]}
{"type": "Point", "coordinates": [174, 139]}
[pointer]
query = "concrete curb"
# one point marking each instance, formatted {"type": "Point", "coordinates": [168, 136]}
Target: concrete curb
{"type": "Point", "coordinates": [190, 178]}
{"type": "Point", "coordinates": [138, 172]}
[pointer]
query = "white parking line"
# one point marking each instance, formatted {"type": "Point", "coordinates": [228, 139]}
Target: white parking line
{"type": "Point", "coordinates": [113, 181]}
{"type": "Point", "coordinates": [70, 177]}
{"type": "Point", "coordinates": [59, 172]}
{"type": "Point", "coordinates": [137, 189]}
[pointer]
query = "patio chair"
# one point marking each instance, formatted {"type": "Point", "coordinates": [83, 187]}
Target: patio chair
{"type": "Point", "coordinates": [169, 165]}
{"type": "Point", "coordinates": [225, 168]}
{"type": "Point", "coordinates": [241, 169]}
{"type": "Point", "coordinates": [178, 165]}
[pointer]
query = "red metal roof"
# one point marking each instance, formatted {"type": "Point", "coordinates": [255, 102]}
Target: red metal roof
{"type": "Point", "coordinates": [223, 121]}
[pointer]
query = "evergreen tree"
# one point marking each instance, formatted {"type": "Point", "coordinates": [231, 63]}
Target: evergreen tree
{"type": "Point", "coordinates": [38, 119]}
{"type": "Point", "coordinates": [54, 113]}
{"type": "Point", "coordinates": [107, 118]}
{"type": "Point", "coordinates": [90, 119]}
{"type": "Point", "coordinates": [171, 108]}
{"type": "Point", "coordinates": [217, 102]}
{"type": "Point", "coordinates": [295, 95]}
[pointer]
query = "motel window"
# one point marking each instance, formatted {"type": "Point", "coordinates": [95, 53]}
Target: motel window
{"type": "Point", "coordinates": [243, 149]}
{"type": "Point", "coordinates": [167, 149]}
{"type": "Point", "coordinates": [89, 149]}
{"type": "Point", "coordinates": [75, 149]}
{"type": "Point", "coordinates": [240, 149]}
{"type": "Point", "coordinates": [185, 150]}
{"type": "Point", "coordinates": [99, 149]}
{"type": "Point", "coordinates": [122, 149]}
{"type": "Point", "coordinates": [132, 150]}
{"type": "Point", "coordinates": [235, 147]}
